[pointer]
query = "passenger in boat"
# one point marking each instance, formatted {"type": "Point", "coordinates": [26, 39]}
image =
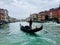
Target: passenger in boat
{"type": "Point", "coordinates": [30, 23]}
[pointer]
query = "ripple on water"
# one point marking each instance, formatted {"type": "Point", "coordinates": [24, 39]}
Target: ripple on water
{"type": "Point", "coordinates": [12, 35]}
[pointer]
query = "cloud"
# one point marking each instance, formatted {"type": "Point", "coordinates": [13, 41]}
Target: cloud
{"type": "Point", "coordinates": [20, 9]}
{"type": "Point", "coordinates": [23, 8]}
{"type": "Point", "coordinates": [1, 4]}
{"type": "Point", "coordinates": [24, 5]}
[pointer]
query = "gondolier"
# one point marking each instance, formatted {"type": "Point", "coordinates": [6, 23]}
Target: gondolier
{"type": "Point", "coordinates": [29, 29]}
{"type": "Point", "coordinates": [30, 23]}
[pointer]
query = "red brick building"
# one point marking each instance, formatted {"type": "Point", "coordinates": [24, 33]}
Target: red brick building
{"type": "Point", "coordinates": [54, 12]}
{"type": "Point", "coordinates": [58, 16]}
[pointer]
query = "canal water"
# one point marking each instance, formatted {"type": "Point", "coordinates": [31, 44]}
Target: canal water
{"type": "Point", "coordinates": [10, 34]}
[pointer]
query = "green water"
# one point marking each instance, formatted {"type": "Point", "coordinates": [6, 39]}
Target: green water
{"type": "Point", "coordinates": [10, 34]}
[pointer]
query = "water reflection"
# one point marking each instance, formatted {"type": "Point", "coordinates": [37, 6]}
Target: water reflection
{"type": "Point", "coordinates": [10, 34]}
{"type": "Point", "coordinates": [4, 30]}
{"type": "Point", "coordinates": [4, 26]}
{"type": "Point", "coordinates": [32, 34]}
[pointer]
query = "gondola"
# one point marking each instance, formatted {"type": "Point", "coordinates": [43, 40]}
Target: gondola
{"type": "Point", "coordinates": [29, 30]}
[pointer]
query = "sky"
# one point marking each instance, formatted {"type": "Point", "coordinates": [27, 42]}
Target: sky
{"type": "Point", "coordinates": [23, 8]}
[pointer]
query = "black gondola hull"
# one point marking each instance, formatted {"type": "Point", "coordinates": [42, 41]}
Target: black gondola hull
{"type": "Point", "coordinates": [31, 30]}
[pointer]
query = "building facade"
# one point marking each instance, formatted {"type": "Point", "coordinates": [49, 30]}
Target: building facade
{"type": "Point", "coordinates": [51, 13]}
{"type": "Point", "coordinates": [34, 17]}
{"type": "Point", "coordinates": [58, 16]}
{"type": "Point", "coordinates": [3, 15]}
